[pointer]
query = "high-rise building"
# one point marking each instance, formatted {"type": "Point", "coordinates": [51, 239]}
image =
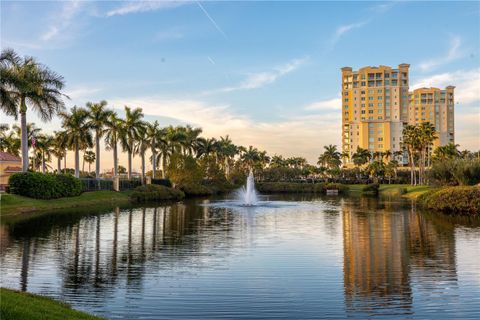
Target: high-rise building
{"type": "Point", "coordinates": [374, 108]}
{"type": "Point", "coordinates": [377, 104]}
{"type": "Point", "coordinates": [437, 107]}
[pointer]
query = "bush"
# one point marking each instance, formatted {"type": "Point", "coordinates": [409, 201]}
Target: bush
{"type": "Point", "coordinates": [371, 188]}
{"type": "Point", "coordinates": [454, 200]}
{"type": "Point", "coordinates": [153, 192]}
{"type": "Point", "coordinates": [162, 182]}
{"type": "Point", "coordinates": [455, 172]}
{"type": "Point", "coordinates": [44, 186]}
{"type": "Point", "coordinates": [195, 190]}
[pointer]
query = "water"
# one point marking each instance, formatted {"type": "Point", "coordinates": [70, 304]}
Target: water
{"type": "Point", "coordinates": [291, 257]}
{"type": "Point", "coordinates": [247, 195]}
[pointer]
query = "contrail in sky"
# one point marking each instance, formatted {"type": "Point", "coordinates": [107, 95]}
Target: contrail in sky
{"type": "Point", "coordinates": [211, 20]}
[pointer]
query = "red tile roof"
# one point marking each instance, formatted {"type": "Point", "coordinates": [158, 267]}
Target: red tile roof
{"type": "Point", "coordinates": [4, 156]}
{"type": "Point", "coordinates": [13, 169]}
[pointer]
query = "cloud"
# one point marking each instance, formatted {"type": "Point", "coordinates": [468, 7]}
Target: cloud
{"type": "Point", "coordinates": [172, 34]}
{"type": "Point", "coordinates": [62, 21]}
{"type": "Point", "coordinates": [144, 6]}
{"type": "Point", "coordinates": [467, 83]}
{"type": "Point", "coordinates": [298, 135]}
{"type": "Point", "coordinates": [325, 105]}
{"type": "Point", "coordinates": [260, 79]}
{"type": "Point", "coordinates": [344, 29]}
{"type": "Point", "coordinates": [453, 53]}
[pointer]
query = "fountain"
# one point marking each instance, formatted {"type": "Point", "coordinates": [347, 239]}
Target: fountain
{"type": "Point", "coordinates": [247, 193]}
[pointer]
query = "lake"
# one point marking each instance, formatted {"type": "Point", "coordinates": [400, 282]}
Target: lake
{"type": "Point", "coordinates": [294, 257]}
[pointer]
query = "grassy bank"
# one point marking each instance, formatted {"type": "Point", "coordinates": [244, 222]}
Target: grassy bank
{"type": "Point", "coordinates": [404, 190]}
{"type": "Point", "coordinates": [14, 208]}
{"type": "Point", "coordinates": [17, 305]}
{"type": "Point", "coordinates": [459, 200]}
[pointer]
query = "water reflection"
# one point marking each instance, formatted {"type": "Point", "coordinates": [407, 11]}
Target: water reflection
{"type": "Point", "coordinates": [396, 262]}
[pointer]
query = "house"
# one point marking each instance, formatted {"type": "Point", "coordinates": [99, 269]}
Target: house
{"type": "Point", "coordinates": [9, 164]}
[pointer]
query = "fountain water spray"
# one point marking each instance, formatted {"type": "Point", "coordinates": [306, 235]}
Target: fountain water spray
{"type": "Point", "coordinates": [247, 193]}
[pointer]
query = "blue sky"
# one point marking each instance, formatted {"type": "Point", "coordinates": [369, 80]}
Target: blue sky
{"type": "Point", "coordinates": [267, 73]}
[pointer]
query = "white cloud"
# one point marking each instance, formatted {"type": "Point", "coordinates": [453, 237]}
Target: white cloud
{"type": "Point", "coordinates": [325, 105]}
{"type": "Point", "coordinates": [467, 83]}
{"type": "Point", "coordinates": [260, 79]}
{"type": "Point", "coordinates": [299, 135]}
{"type": "Point", "coordinates": [453, 53]}
{"type": "Point", "coordinates": [214, 23]}
{"type": "Point", "coordinates": [63, 20]}
{"type": "Point", "coordinates": [344, 29]}
{"type": "Point", "coordinates": [144, 6]}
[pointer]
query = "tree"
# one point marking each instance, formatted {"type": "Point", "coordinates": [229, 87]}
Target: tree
{"type": "Point", "coordinates": [426, 136]}
{"type": "Point", "coordinates": [412, 143]}
{"type": "Point", "coordinates": [330, 158]}
{"type": "Point", "coordinates": [361, 157]}
{"type": "Point", "coordinates": [98, 117]}
{"type": "Point", "coordinates": [152, 134]}
{"type": "Point", "coordinates": [77, 131]}
{"type": "Point", "coordinates": [449, 151]}
{"type": "Point", "coordinates": [26, 83]}
{"type": "Point", "coordinates": [113, 127]}
{"type": "Point", "coordinates": [89, 157]}
{"type": "Point", "coordinates": [140, 147]}
{"type": "Point", "coordinates": [59, 146]}
{"type": "Point", "coordinates": [132, 130]}
{"type": "Point", "coordinates": [44, 146]}
{"type": "Point", "coordinates": [9, 142]}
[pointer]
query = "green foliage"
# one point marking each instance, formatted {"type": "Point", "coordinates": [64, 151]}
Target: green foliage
{"type": "Point", "coordinates": [162, 182]}
{"type": "Point", "coordinates": [184, 170]}
{"type": "Point", "coordinates": [292, 187]}
{"type": "Point", "coordinates": [25, 306]}
{"type": "Point", "coordinates": [153, 192]}
{"type": "Point", "coordinates": [44, 186]}
{"type": "Point", "coordinates": [371, 188]}
{"type": "Point", "coordinates": [455, 200]}
{"type": "Point", "coordinates": [195, 190]}
{"type": "Point", "coordinates": [455, 171]}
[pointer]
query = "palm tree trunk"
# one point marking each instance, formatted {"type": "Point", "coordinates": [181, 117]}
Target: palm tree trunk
{"type": "Point", "coordinates": [143, 167]}
{"type": "Point", "coordinates": [115, 159]}
{"type": "Point", "coordinates": [154, 162]}
{"type": "Point", "coordinates": [129, 165]}
{"type": "Point", "coordinates": [65, 163]}
{"type": "Point", "coordinates": [43, 162]}
{"type": "Point", "coordinates": [59, 165]}
{"type": "Point", "coordinates": [77, 161]}
{"type": "Point", "coordinates": [83, 162]}
{"type": "Point", "coordinates": [23, 119]}
{"type": "Point", "coordinates": [97, 154]}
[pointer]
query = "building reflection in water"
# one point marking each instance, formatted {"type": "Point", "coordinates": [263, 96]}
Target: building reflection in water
{"type": "Point", "coordinates": [386, 251]}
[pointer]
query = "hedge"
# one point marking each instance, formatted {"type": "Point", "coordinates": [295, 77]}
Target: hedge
{"type": "Point", "coordinates": [292, 187]}
{"type": "Point", "coordinates": [195, 190]}
{"type": "Point", "coordinates": [153, 192]}
{"type": "Point", "coordinates": [453, 200]}
{"type": "Point", "coordinates": [162, 182]}
{"type": "Point", "coordinates": [44, 186]}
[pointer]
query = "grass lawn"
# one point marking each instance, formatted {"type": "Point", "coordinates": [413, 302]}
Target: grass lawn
{"type": "Point", "coordinates": [14, 207]}
{"type": "Point", "coordinates": [17, 305]}
{"type": "Point", "coordinates": [393, 189]}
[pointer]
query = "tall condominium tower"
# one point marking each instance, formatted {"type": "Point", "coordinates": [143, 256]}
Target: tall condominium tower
{"type": "Point", "coordinates": [437, 107]}
{"type": "Point", "coordinates": [374, 108]}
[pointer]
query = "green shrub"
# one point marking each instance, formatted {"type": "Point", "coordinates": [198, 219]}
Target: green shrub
{"type": "Point", "coordinates": [195, 190]}
{"type": "Point", "coordinates": [371, 188]}
{"type": "Point", "coordinates": [162, 182]}
{"type": "Point", "coordinates": [153, 192]}
{"type": "Point", "coordinates": [455, 200]}
{"type": "Point", "coordinates": [44, 186]}
{"type": "Point", "coordinates": [292, 187]}
{"type": "Point", "coordinates": [455, 172]}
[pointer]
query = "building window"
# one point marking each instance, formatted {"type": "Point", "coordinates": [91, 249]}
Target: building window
{"type": "Point", "coordinates": [380, 139]}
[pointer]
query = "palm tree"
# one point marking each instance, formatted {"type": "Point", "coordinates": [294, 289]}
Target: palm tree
{"type": "Point", "coordinates": [26, 83]}
{"type": "Point", "coordinates": [361, 157]}
{"type": "Point", "coordinates": [59, 147]}
{"type": "Point", "coordinates": [89, 157]}
{"type": "Point", "coordinates": [449, 151]}
{"type": "Point", "coordinates": [98, 117]}
{"type": "Point", "coordinates": [152, 134]}
{"type": "Point", "coordinates": [9, 142]}
{"type": "Point", "coordinates": [44, 146]}
{"type": "Point", "coordinates": [411, 142]}
{"type": "Point", "coordinates": [427, 135]}
{"type": "Point", "coordinates": [77, 131]}
{"type": "Point", "coordinates": [205, 147]}
{"type": "Point", "coordinates": [141, 146]}
{"type": "Point", "coordinates": [330, 157]}
{"type": "Point", "coordinates": [113, 127]}
{"type": "Point", "coordinates": [131, 131]}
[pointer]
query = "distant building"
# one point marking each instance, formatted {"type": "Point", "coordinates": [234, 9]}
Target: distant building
{"type": "Point", "coordinates": [437, 107]}
{"type": "Point", "coordinates": [377, 104]}
{"type": "Point", "coordinates": [9, 164]}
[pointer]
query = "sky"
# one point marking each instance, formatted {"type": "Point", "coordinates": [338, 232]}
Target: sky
{"type": "Point", "coordinates": [265, 73]}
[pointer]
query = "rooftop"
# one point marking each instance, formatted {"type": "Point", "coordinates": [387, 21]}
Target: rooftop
{"type": "Point", "coordinates": [5, 156]}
